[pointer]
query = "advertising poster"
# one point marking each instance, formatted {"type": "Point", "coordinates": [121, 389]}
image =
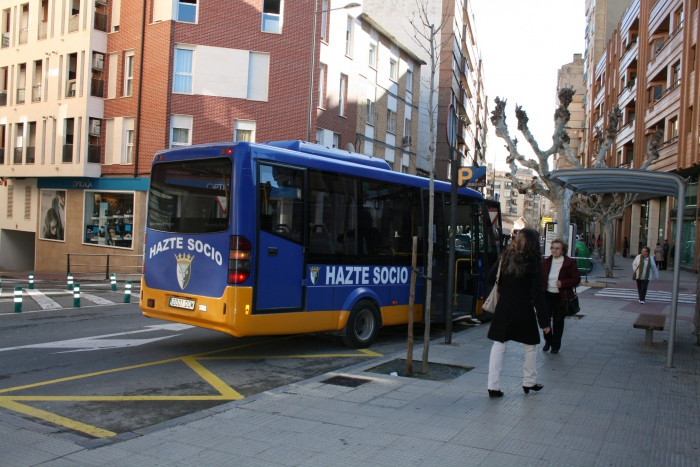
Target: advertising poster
{"type": "Point", "coordinates": [52, 215]}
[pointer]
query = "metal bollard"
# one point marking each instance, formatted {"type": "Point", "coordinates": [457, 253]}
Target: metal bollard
{"type": "Point", "coordinates": [31, 280]}
{"type": "Point", "coordinates": [70, 281]}
{"type": "Point", "coordinates": [114, 281]}
{"type": "Point", "coordinates": [18, 299]}
{"type": "Point", "coordinates": [127, 292]}
{"type": "Point", "coordinates": [76, 295]}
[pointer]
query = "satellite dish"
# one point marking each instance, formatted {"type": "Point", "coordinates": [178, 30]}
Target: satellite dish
{"type": "Point", "coordinates": [350, 147]}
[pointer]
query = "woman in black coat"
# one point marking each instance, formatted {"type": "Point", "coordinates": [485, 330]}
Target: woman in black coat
{"type": "Point", "coordinates": [560, 275]}
{"type": "Point", "coordinates": [521, 307]}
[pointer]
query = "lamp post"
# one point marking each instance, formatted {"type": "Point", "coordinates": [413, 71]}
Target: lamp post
{"type": "Point", "coordinates": [313, 61]}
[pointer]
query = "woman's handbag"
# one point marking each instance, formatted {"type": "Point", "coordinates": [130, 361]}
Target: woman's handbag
{"type": "Point", "coordinates": [572, 305]}
{"type": "Point", "coordinates": [492, 300]}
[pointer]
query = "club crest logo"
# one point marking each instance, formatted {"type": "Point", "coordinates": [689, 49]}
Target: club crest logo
{"type": "Point", "coordinates": [184, 269]}
{"type": "Point", "coordinates": [313, 272]}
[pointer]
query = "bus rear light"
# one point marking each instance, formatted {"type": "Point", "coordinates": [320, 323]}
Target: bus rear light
{"type": "Point", "coordinates": [238, 259]}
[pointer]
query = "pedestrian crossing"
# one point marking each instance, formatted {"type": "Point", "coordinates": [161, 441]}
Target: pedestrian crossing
{"type": "Point", "coordinates": [652, 295]}
{"type": "Point", "coordinates": [56, 299]}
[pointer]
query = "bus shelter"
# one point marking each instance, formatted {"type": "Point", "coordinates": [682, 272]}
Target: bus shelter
{"type": "Point", "coordinates": [610, 180]}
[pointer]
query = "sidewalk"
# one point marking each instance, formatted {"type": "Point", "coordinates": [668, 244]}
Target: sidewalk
{"type": "Point", "coordinates": [607, 400]}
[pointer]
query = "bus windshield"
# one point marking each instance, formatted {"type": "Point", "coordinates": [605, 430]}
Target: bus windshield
{"type": "Point", "coordinates": [190, 197]}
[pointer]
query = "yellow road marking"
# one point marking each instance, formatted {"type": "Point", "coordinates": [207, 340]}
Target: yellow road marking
{"type": "Point", "coordinates": [213, 380]}
{"type": "Point", "coordinates": [57, 419]}
{"type": "Point", "coordinates": [226, 393]}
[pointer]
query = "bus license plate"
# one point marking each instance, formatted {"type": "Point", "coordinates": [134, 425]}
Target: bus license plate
{"type": "Point", "coordinates": [182, 303]}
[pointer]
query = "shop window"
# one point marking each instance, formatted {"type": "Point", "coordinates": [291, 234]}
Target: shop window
{"type": "Point", "coordinates": [109, 219]}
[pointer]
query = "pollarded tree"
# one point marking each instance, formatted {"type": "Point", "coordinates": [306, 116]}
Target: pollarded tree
{"type": "Point", "coordinates": [541, 184]}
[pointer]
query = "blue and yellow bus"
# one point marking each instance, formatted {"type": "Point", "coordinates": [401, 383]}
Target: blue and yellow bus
{"type": "Point", "coordinates": [291, 237]}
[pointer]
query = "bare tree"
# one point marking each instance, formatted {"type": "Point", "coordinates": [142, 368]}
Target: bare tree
{"type": "Point", "coordinates": [604, 208]}
{"type": "Point", "coordinates": [427, 37]}
{"type": "Point", "coordinates": [540, 184]}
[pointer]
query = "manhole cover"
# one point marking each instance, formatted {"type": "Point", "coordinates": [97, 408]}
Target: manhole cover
{"type": "Point", "coordinates": [346, 381]}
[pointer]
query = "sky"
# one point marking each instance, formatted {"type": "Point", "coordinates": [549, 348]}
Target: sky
{"type": "Point", "coordinates": [523, 43]}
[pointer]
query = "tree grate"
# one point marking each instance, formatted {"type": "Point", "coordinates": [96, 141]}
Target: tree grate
{"type": "Point", "coordinates": [345, 381]}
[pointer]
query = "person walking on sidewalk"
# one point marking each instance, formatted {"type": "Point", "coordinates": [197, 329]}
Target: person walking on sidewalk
{"type": "Point", "coordinates": [659, 256]}
{"type": "Point", "coordinates": [521, 305]}
{"type": "Point", "coordinates": [644, 268]}
{"type": "Point", "coordinates": [560, 275]}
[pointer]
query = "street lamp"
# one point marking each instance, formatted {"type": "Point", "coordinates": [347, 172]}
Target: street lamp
{"type": "Point", "coordinates": [313, 61]}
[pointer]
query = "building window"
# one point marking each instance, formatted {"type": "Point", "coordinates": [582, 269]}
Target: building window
{"type": "Point", "coordinates": [116, 8]}
{"type": "Point", "coordinates": [244, 130]}
{"type": "Point", "coordinates": [128, 73]}
{"type": "Point", "coordinates": [68, 140]}
{"type": "Point", "coordinates": [372, 59]}
{"type": "Point", "coordinates": [391, 121]}
{"type": "Point", "coordinates": [108, 218]}
{"type": "Point", "coordinates": [409, 81]}
{"type": "Point", "coordinates": [322, 74]}
{"type": "Point", "coordinates": [393, 70]}
{"type": "Point", "coordinates": [324, 21]}
{"type": "Point", "coordinates": [182, 70]}
{"type": "Point", "coordinates": [371, 111]}
{"type": "Point", "coordinates": [673, 128]}
{"type": "Point", "coordinates": [128, 141]}
{"type": "Point", "coordinates": [676, 74]}
{"type": "Point", "coordinates": [336, 140]}
{"type": "Point", "coordinates": [342, 95]}
{"type": "Point", "coordinates": [349, 36]}
{"type": "Point", "coordinates": [180, 130]}
{"type": "Point", "coordinates": [187, 11]}
{"type": "Point", "coordinates": [258, 76]}
{"type": "Point", "coordinates": [272, 16]}
{"type": "Point", "coordinates": [407, 128]}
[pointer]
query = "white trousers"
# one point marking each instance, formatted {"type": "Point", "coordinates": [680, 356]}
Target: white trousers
{"type": "Point", "coordinates": [498, 352]}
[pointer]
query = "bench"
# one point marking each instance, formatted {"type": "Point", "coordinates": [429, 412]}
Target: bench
{"type": "Point", "coordinates": [650, 323]}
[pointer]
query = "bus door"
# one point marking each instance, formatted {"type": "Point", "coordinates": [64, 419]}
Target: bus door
{"type": "Point", "coordinates": [280, 255]}
{"type": "Point", "coordinates": [469, 251]}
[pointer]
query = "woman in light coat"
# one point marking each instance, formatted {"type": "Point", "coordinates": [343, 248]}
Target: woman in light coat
{"type": "Point", "coordinates": [644, 269]}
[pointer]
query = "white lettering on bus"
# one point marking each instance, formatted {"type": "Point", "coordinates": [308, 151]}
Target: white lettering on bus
{"type": "Point", "coordinates": [360, 275]}
{"type": "Point", "coordinates": [177, 243]}
{"type": "Point", "coordinates": [165, 245]}
{"type": "Point", "coordinates": [208, 250]}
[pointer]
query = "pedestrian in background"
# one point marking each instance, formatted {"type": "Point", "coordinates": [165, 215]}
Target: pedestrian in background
{"type": "Point", "coordinates": [521, 306]}
{"type": "Point", "coordinates": [644, 269]}
{"type": "Point", "coordinates": [560, 275]}
{"type": "Point", "coordinates": [666, 248]}
{"type": "Point", "coordinates": [659, 255]}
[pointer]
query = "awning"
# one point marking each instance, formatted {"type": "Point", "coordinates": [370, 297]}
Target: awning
{"type": "Point", "coordinates": [588, 181]}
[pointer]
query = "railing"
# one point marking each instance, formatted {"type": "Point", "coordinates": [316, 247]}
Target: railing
{"type": "Point", "coordinates": [92, 265]}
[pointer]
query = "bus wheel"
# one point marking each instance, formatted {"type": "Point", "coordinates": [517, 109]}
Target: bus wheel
{"type": "Point", "coordinates": [362, 326]}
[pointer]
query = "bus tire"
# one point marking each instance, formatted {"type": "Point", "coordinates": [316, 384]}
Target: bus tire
{"type": "Point", "coordinates": [362, 326]}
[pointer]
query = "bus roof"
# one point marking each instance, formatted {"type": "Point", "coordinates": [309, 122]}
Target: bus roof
{"type": "Point", "coordinates": [333, 153]}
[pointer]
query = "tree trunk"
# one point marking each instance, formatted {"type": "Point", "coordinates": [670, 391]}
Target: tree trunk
{"type": "Point", "coordinates": [609, 247]}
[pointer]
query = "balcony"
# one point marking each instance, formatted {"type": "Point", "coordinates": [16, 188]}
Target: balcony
{"type": "Point", "coordinates": [36, 93]}
{"type": "Point", "coordinates": [97, 87]}
{"type": "Point", "coordinates": [31, 151]}
{"type": "Point", "coordinates": [20, 96]}
{"type": "Point", "coordinates": [43, 30]}
{"type": "Point", "coordinates": [23, 35]}
{"type": "Point", "coordinates": [17, 159]}
{"type": "Point", "coordinates": [5, 40]}
{"type": "Point", "coordinates": [3, 98]}
{"type": "Point", "coordinates": [67, 155]}
{"type": "Point", "coordinates": [101, 22]}
{"type": "Point", "coordinates": [70, 88]}
{"type": "Point", "coordinates": [94, 151]}
{"type": "Point", "coordinates": [2, 156]}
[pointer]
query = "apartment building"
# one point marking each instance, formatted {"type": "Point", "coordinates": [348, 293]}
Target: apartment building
{"type": "Point", "coordinates": [649, 69]}
{"type": "Point", "coordinates": [459, 79]}
{"type": "Point", "coordinates": [90, 90]}
{"type": "Point", "coordinates": [570, 75]}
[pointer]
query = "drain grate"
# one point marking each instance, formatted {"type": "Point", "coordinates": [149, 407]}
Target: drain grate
{"type": "Point", "coordinates": [346, 381]}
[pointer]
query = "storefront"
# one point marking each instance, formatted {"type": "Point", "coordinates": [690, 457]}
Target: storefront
{"type": "Point", "coordinates": [90, 219]}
